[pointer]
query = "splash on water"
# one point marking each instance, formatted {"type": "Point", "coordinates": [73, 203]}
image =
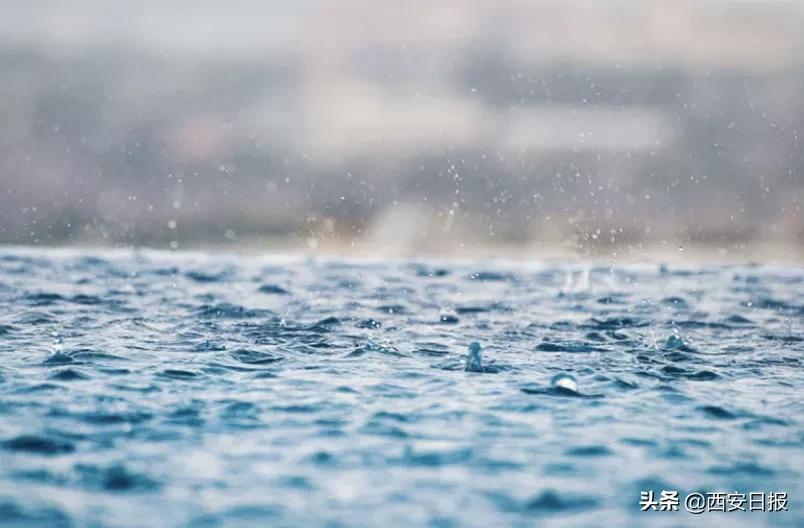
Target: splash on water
{"type": "Point", "coordinates": [474, 362]}
{"type": "Point", "coordinates": [564, 382]}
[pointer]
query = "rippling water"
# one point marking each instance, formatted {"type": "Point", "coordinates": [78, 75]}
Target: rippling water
{"type": "Point", "coordinates": [151, 389]}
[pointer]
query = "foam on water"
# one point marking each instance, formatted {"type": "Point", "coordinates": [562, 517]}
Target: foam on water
{"type": "Point", "coordinates": [174, 389]}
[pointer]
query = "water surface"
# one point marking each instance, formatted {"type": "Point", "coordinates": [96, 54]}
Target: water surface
{"type": "Point", "coordinates": [157, 389]}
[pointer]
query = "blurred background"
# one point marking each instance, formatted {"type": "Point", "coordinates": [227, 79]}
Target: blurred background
{"type": "Point", "coordinates": [585, 127]}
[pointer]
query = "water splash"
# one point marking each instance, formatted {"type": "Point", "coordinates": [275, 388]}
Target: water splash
{"type": "Point", "coordinates": [564, 382]}
{"type": "Point", "coordinates": [474, 360]}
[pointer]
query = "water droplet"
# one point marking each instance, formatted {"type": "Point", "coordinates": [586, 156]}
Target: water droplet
{"type": "Point", "coordinates": [564, 381]}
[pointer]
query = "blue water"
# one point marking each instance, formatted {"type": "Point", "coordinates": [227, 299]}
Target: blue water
{"type": "Point", "coordinates": [158, 389]}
